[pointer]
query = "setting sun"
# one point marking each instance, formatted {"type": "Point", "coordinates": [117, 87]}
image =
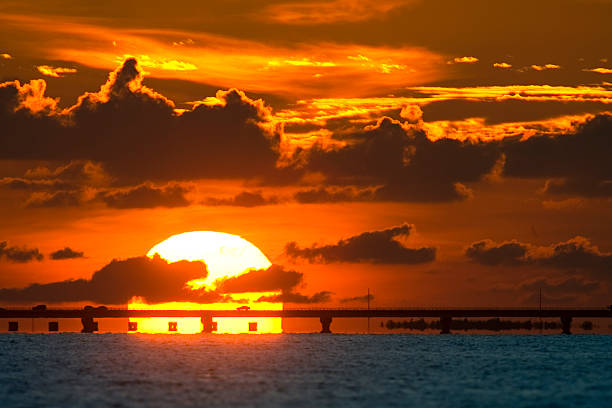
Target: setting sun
{"type": "Point", "coordinates": [225, 256]}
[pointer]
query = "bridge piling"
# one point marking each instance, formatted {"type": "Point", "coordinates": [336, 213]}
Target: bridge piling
{"type": "Point", "coordinates": [325, 323]}
{"type": "Point", "coordinates": [445, 324]}
{"type": "Point", "coordinates": [566, 324]}
{"type": "Point", "coordinates": [208, 326]}
{"type": "Point", "coordinates": [89, 325]}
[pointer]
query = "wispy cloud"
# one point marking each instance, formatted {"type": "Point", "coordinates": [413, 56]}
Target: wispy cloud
{"type": "Point", "coordinates": [307, 69]}
{"type": "Point", "coordinates": [600, 70]}
{"type": "Point", "coordinates": [503, 65]}
{"type": "Point", "coordinates": [55, 72]}
{"type": "Point", "coordinates": [328, 12]}
{"type": "Point", "coordinates": [545, 67]}
{"type": "Point", "coordinates": [463, 60]}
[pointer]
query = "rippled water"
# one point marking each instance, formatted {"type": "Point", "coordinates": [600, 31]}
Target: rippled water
{"type": "Point", "coordinates": [117, 370]}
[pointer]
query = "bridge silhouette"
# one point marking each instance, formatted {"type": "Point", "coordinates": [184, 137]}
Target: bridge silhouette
{"type": "Point", "coordinates": [325, 316]}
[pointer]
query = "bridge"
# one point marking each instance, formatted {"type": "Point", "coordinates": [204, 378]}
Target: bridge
{"type": "Point", "coordinates": [325, 316]}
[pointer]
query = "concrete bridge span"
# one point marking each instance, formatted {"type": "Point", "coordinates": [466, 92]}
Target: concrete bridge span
{"type": "Point", "coordinates": [325, 316]}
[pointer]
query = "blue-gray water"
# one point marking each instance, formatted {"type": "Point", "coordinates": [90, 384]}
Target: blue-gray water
{"type": "Point", "coordinates": [295, 370]}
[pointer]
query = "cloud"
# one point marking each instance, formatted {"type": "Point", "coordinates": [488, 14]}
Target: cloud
{"type": "Point", "coordinates": [358, 154]}
{"type": "Point", "coordinates": [83, 182]}
{"type": "Point", "coordinates": [243, 199]}
{"type": "Point", "coordinates": [116, 283]}
{"type": "Point", "coordinates": [333, 195]}
{"type": "Point", "coordinates": [66, 253]}
{"type": "Point", "coordinates": [24, 108]}
{"type": "Point", "coordinates": [503, 65]}
{"type": "Point", "coordinates": [358, 299]}
{"type": "Point", "coordinates": [527, 93]}
{"type": "Point", "coordinates": [229, 136]}
{"type": "Point", "coordinates": [330, 12]}
{"type": "Point", "coordinates": [463, 60]}
{"type": "Point", "coordinates": [19, 254]}
{"type": "Point", "coordinates": [293, 297]}
{"type": "Point", "coordinates": [162, 63]}
{"type": "Point", "coordinates": [599, 70]}
{"type": "Point", "coordinates": [54, 200]}
{"type": "Point", "coordinates": [557, 291]}
{"type": "Point", "coordinates": [145, 196]}
{"type": "Point", "coordinates": [378, 247]}
{"type": "Point", "coordinates": [56, 72]}
{"type": "Point", "coordinates": [576, 253]}
{"type": "Point", "coordinates": [397, 162]}
{"type": "Point", "coordinates": [558, 287]}
{"type": "Point", "coordinates": [488, 252]}
{"type": "Point", "coordinates": [60, 186]}
{"type": "Point", "coordinates": [579, 187]}
{"type": "Point", "coordinates": [229, 61]}
{"type": "Point", "coordinates": [577, 162]}
{"type": "Point", "coordinates": [76, 172]}
{"type": "Point", "coordinates": [274, 278]}
{"type": "Point", "coordinates": [544, 67]}
{"type": "Point", "coordinates": [24, 184]}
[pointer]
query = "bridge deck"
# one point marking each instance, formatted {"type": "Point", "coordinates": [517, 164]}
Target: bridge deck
{"type": "Point", "coordinates": [305, 313]}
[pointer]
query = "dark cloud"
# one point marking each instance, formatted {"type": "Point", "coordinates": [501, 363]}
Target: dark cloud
{"type": "Point", "coordinates": [59, 186]}
{"type": "Point", "coordinates": [271, 279]}
{"type": "Point", "coordinates": [579, 187]}
{"type": "Point", "coordinates": [578, 253]}
{"type": "Point", "coordinates": [557, 291]}
{"type": "Point", "coordinates": [371, 247]}
{"type": "Point", "coordinates": [274, 279]}
{"type": "Point", "coordinates": [332, 195]}
{"type": "Point", "coordinates": [243, 199]}
{"type": "Point", "coordinates": [145, 196]}
{"type": "Point", "coordinates": [579, 161]}
{"type": "Point", "coordinates": [153, 279]}
{"type": "Point", "coordinates": [67, 185]}
{"type": "Point", "coordinates": [403, 164]}
{"type": "Point", "coordinates": [561, 287]}
{"type": "Point", "coordinates": [230, 138]}
{"type": "Point", "coordinates": [488, 252]}
{"type": "Point", "coordinates": [292, 297]}
{"type": "Point", "coordinates": [23, 184]}
{"type": "Point", "coordinates": [358, 299]}
{"type": "Point", "coordinates": [19, 254]}
{"type": "Point", "coordinates": [56, 199]}
{"type": "Point", "coordinates": [398, 162]}
{"type": "Point", "coordinates": [73, 174]}
{"type": "Point", "coordinates": [66, 253]}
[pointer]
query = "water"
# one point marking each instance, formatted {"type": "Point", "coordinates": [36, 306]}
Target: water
{"type": "Point", "coordinates": [304, 370]}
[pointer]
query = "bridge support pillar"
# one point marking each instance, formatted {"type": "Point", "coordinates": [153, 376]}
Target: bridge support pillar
{"type": "Point", "coordinates": [566, 324]}
{"type": "Point", "coordinates": [89, 325]}
{"type": "Point", "coordinates": [445, 324]}
{"type": "Point", "coordinates": [325, 323]}
{"type": "Point", "coordinates": [208, 326]}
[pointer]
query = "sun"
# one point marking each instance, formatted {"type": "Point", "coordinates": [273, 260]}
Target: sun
{"type": "Point", "coordinates": [225, 256]}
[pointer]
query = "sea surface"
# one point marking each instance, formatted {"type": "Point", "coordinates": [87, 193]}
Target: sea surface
{"type": "Point", "coordinates": [304, 370]}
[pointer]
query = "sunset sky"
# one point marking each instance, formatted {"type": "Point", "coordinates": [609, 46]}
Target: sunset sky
{"type": "Point", "coordinates": [439, 153]}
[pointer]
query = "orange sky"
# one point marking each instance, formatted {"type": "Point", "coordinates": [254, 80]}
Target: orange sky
{"type": "Point", "coordinates": [485, 128]}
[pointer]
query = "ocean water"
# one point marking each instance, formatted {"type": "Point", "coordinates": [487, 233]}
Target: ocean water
{"type": "Point", "coordinates": [305, 370]}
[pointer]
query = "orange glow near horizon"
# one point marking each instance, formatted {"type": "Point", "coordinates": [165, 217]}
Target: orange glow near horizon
{"type": "Point", "coordinates": [192, 325]}
{"type": "Point", "coordinates": [225, 256]}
